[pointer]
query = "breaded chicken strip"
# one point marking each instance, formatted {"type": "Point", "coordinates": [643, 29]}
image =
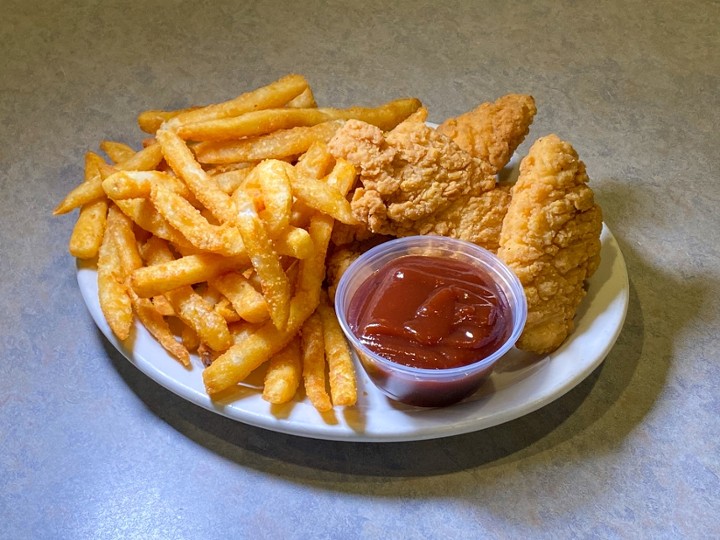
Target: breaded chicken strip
{"type": "Point", "coordinates": [551, 239]}
{"type": "Point", "coordinates": [493, 131]}
{"type": "Point", "coordinates": [415, 180]}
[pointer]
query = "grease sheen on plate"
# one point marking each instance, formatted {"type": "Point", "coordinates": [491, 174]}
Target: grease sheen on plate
{"type": "Point", "coordinates": [521, 383]}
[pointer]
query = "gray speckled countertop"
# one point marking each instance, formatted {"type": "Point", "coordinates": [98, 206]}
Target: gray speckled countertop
{"type": "Point", "coordinates": [92, 448]}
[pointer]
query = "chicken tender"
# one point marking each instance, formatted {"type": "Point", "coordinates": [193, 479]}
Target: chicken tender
{"type": "Point", "coordinates": [551, 239]}
{"type": "Point", "coordinates": [493, 131]}
{"type": "Point", "coordinates": [415, 180]}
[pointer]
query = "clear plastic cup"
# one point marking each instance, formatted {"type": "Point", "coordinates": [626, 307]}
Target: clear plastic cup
{"type": "Point", "coordinates": [420, 386]}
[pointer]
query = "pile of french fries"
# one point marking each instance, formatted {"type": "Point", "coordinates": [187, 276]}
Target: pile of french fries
{"type": "Point", "coordinates": [215, 235]}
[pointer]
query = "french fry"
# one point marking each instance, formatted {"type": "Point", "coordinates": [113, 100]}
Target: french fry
{"type": "Point", "coordinates": [120, 230]}
{"type": "Point", "coordinates": [162, 306]}
{"type": "Point", "coordinates": [189, 306]}
{"type": "Point", "coordinates": [282, 378]}
{"type": "Point", "coordinates": [295, 242]}
{"type": "Point", "coordinates": [117, 151]}
{"type": "Point", "coordinates": [159, 278]}
{"type": "Point", "coordinates": [183, 216]}
{"type": "Point", "coordinates": [264, 258]}
{"type": "Point", "coordinates": [276, 145]}
{"type": "Point", "coordinates": [273, 177]}
{"type": "Point", "coordinates": [91, 189]}
{"type": "Point", "coordinates": [155, 323]}
{"type": "Point", "coordinates": [313, 361]}
{"type": "Point", "coordinates": [150, 121]}
{"type": "Point", "coordinates": [189, 338]}
{"type": "Point", "coordinates": [143, 213]}
{"type": "Point", "coordinates": [87, 192]}
{"type": "Point", "coordinates": [215, 236]}
{"type": "Point", "coordinates": [146, 159]}
{"type": "Point", "coordinates": [242, 330]}
{"type": "Point", "coordinates": [246, 355]}
{"type": "Point", "coordinates": [88, 231]}
{"type": "Point", "coordinates": [229, 181]}
{"type": "Point", "coordinates": [341, 370]}
{"type": "Point", "coordinates": [247, 301]}
{"type": "Point", "coordinates": [342, 176]}
{"type": "Point", "coordinates": [255, 123]}
{"type": "Point", "coordinates": [197, 313]}
{"type": "Point", "coordinates": [304, 100]}
{"type": "Point", "coordinates": [316, 162]}
{"type": "Point", "coordinates": [155, 251]}
{"type": "Point", "coordinates": [205, 189]}
{"type": "Point", "coordinates": [275, 94]}
{"type": "Point", "coordinates": [137, 184]}
{"type": "Point", "coordinates": [227, 311]}
{"type": "Point", "coordinates": [323, 197]}
{"type": "Point", "coordinates": [112, 293]}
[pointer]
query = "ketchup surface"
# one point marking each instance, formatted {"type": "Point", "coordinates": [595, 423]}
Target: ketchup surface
{"type": "Point", "coordinates": [430, 312]}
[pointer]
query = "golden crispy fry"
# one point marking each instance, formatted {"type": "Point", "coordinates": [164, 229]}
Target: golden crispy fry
{"type": "Point", "coordinates": [155, 251]}
{"type": "Point", "coordinates": [189, 338]}
{"type": "Point", "coordinates": [253, 350]}
{"type": "Point", "coordinates": [137, 184]}
{"type": "Point", "coordinates": [322, 196]}
{"type": "Point", "coordinates": [276, 145]}
{"type": "Point", "coordinates": [184, 217]}
{"type": "Point", "coordinates": [117, 151]}
{"type": "Point", "coordinates": [197, 313]}
{"type": "Point", "coordinates": [87, 192]}
{"type": "Point", "coordinates": [89, 228]}
{"type": "Point", "coordinates": [305, 100]}
{"type": "Point", "coordinates": [342, 176]}
{"type": "Point", "coordinates": [241, 330]}
{"type": "Point", "coordinates": [229, 181]}
{"type": "Point", "coordinates": [150, 121]}
{"type": "Point", "coordinates": [295, 242]}
{"type": "Point", "coordinates": [153, 320]}
{"type": "Point", "coordinates": [275, 94]}
{"type": "Point", "coordinates": [112, 293]}
{"type": "Point", "coordinates": [162, 306]}
{"type": "Point", "coordinates": [233, 252]}
{"type": "Point", "coordinates": [146, 159]}
{"type": "Point", "coordinates": [120, 229]}
{"type": "Point", "coordinates": [313, 360]}
{"type": "Point", "coordinates": [143, 213]}
{"type": "Point", "coordinates": [254, 123]}
{"type": "Point", "coordinates": [273, 177]}
{"type": "Point", "coordinates": [205, 189]}
{"type": "Point", "coordinates": [189, 306]}
{"type": "Point", "coordinates": [91, 190]}
{"type": "Point", "coordinates": [247, 301]}
{"type": "Point", "coordinates": [264, 258]}
{"type": "Point", "coordinates": [157, 279]}
{"type": "Point", "coordinates": [341, 370]}
{"type": "Point", "coordinates": [316, 162]}
{"type": "Point", "coordinates": [282, 378]}
{"type": "Point", "coordinates": [227, 311]}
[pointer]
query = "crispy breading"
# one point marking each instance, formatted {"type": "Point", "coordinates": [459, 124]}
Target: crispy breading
{"type": "Point", "coordinates": [492, 131]}
{"type": "Point", "coordinates": [415, 180]}
{"type": "Point", "coordinates": [551, 239]}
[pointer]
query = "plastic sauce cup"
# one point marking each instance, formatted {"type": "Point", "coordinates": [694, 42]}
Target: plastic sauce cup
{"type": "Point", "coordinates": [420, 386]}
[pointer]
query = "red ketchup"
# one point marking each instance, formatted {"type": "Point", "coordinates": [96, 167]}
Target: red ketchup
{"type": "Point", "coordinates": [431, 313]}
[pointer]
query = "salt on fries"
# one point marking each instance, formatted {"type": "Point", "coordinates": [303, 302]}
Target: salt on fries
{"type": "Point", "coordinates": [215, 235]}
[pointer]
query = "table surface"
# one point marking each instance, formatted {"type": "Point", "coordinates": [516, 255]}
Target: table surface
{"type": "Point", "coordinates": [92, 448]}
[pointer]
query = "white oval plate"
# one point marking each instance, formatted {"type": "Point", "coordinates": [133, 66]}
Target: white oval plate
{"type": "Point", "coordinates": [521, 384]}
